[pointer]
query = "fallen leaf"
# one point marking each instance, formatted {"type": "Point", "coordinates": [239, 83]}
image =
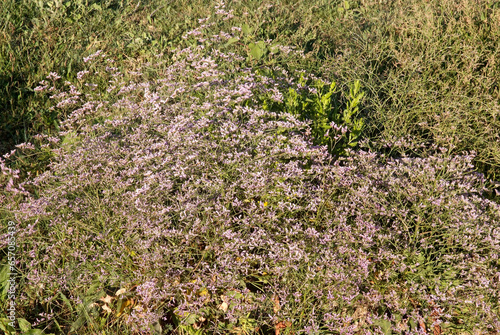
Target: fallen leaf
{"type": "Point", "coordinates": [224, 306]}
{"type": "Point", "coordinates": [107, 299]}
{"type": "Point", "coordinates": [276, 301]}
{"type": "Point", "coordinates": [92, 305]}
{"type": "Point", "coordinates": [122, 304]}
{"type": "Point", "coordinates": [281, 325]}
{"type": "Point", "coordinates": [422, 325]}
{"type": "Point", "coordinates": [120, 292]}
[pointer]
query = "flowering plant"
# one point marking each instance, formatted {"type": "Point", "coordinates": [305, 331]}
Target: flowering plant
{"type": "Point", "coordinates": [189, 202]}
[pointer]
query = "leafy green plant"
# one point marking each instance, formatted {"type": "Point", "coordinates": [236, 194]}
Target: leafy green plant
{"type": "Point", "coordinates": [337, 125]}
{"type": "Point", "coordinates": [5, 322]}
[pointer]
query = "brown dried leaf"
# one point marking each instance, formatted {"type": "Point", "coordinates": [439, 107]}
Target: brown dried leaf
{"type": "Point", "coordinates": [107, 299]}
{"type": "Point", "coordinates": [224, 306]}
{"type": "Point", "coordinates": [122, 304]}
{"type": "Point", "coordinates": [106, 308]}
{"type": "Point", "coordinates": [421, 323]}
{"type": "Point", "coordinates": [281, 325]}
{"type": "Point", "coordinates": [276, 302]}
{"type": "Point", "coordinates": [120, 292]}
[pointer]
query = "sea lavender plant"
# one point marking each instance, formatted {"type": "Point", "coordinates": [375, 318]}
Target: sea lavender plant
{"type": "Point", "coordinates": [207, 213]}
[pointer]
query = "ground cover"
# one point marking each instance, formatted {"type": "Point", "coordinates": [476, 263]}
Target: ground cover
{"type": "Point", "coordinates": [240, 184]}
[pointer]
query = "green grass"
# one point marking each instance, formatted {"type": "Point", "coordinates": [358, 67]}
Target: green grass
{"type": "Point", "coordinates": [430, 68]}
{"type": "Point", "coordinates": [38, 37]}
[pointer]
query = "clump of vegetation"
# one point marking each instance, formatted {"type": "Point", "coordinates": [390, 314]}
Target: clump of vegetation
{"type": "Point", "coordinates": [39, 37]}
{"type": "Point", "coordinates": [429, 68]}
{"type": "Point", "coordinates": [224, 187]}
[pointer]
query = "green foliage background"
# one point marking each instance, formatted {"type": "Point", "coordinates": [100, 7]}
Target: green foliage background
{"type": "Point", "coordinates": [429, 68]}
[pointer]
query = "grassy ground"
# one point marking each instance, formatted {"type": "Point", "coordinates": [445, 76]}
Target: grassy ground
{"type": "Point", "coordinates": [429, 68]}
{"type": "Point", "coordinates": [428, 75]}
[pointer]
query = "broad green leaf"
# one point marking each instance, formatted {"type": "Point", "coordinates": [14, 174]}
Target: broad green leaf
{"type": "Point", "coordinates": [421, 259]}
{"type": "Point", "coordinates": [248, 324]}
{"type": "Point", "coordinates": [156, 328]}
{"type": "Point", "coordinates": [190, 330]}
{"type": "Point", "coordinates": [246, 29]}
{"type": "Point", "coordinates": [190, 319]}
{"type": "Point", "coordinates": [4, 284]}
{"type": "Point", "coordinates": [413, 324]}
{"type": "Point", "coordinates": [385, 326]}
{"type": "Point", "coordinates": [232, 40]}
{"type": "Point", "coordinates": [24, 325]}
{"type": "Point", "coordinates": [332, 87]}
{"type": "Point", "coordinates": [78, 323]}
{"type": "Point", "coordinates": [35, 332]}
{"type": "Point", "coordinates": [256, 50]}
{"type": "Point", "coordinates": [261, 44]}
{"type": "Point", "coordinates": [4, 325]}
